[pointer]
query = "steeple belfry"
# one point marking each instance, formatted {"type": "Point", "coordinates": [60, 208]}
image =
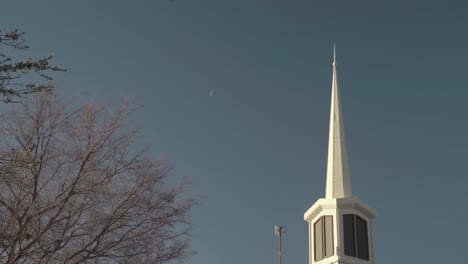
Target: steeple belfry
{"type": "Point", "coordinates": [338, 178]}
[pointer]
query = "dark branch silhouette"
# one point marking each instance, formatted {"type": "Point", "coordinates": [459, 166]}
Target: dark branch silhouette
{"type": "Point", "coordinates": [13, 83]}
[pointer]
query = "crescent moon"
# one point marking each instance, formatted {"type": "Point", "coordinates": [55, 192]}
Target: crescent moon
{"type": "Point", "coordinates": [211, 92]}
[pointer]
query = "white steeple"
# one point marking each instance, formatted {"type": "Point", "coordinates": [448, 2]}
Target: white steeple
{"type": "Point", "coordinates": [338, 179]}
{"type": "Point", "coordinates": [340, 225]}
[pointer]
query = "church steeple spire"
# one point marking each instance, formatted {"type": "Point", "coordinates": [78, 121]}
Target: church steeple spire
{"type": "Point", "coordinates": [340, 225]}
{"type": "Point", "coordinates": [338, 178]}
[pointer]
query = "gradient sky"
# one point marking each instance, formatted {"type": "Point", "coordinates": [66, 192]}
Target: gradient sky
{"type": "Point", "coordinates": [257, 149]}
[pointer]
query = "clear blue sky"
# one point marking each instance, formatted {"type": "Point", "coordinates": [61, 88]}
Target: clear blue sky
{"type": "Point", "coordinates": [257, 149]}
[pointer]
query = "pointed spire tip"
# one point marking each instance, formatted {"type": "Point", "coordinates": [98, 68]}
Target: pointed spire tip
{"type": "Point", "coordinates": [334, 54]}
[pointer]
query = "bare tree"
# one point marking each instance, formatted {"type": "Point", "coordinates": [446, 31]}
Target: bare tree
{"type": "Point", "coordinates": [73, 190]}
{"type": "Point", "coordinates": [13, 73]}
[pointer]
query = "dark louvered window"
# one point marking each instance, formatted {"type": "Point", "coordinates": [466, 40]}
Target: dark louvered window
{"type": "Point", "coordinates": [323, 238]}
{"type": "Point", "coordinates": [349, 235]}
{"type": "Point", "coordinates": [356, 243]}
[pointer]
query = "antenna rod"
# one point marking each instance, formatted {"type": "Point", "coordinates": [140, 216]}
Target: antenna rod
{"type": "Point", "coordinates": [278, 231]}
{"type": "Point", "coordinates": [334, 53]}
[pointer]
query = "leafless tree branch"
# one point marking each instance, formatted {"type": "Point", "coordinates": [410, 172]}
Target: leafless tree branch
{"type": "Point", "coordinates": [13, 72]}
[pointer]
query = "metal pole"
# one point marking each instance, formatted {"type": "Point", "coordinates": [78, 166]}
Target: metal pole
{"type": "Point", "coordinates": [280, 256]}
{"type": "Point", "coordinates": [278, 233]}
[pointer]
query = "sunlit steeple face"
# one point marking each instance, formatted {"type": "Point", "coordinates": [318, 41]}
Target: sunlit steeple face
{"type": "Point", "coordinates": [338, 178]}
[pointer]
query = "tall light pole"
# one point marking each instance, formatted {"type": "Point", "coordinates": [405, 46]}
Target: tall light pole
{"type": "Point", "coordinates": [278, 231]}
